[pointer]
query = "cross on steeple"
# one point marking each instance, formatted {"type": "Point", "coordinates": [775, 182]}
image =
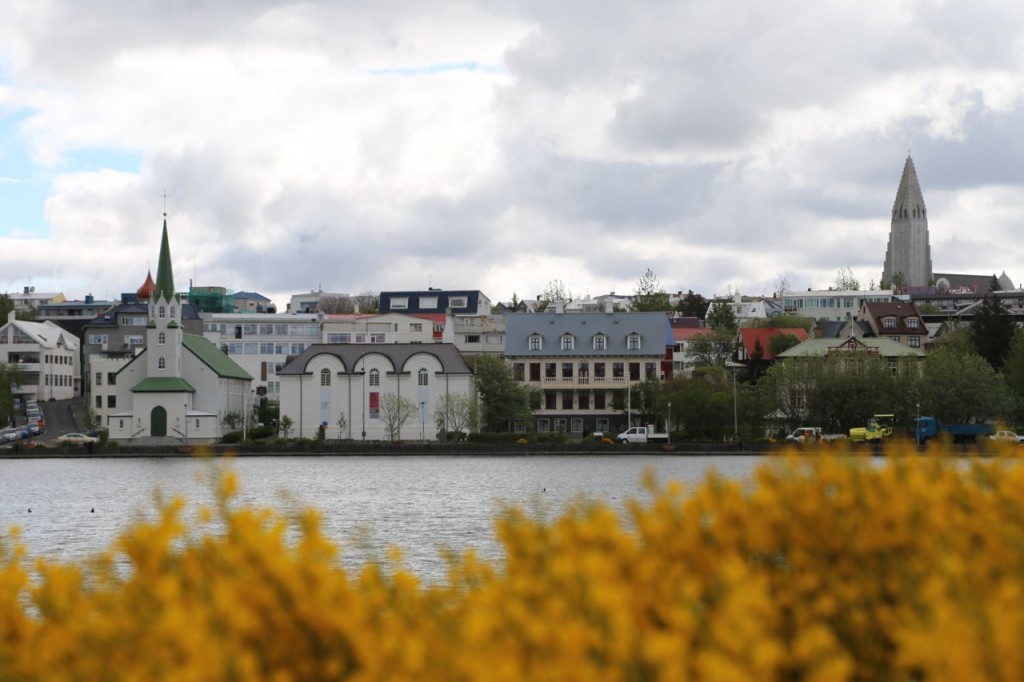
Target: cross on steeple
{"type": "Point", "coordinates": [165, 195]}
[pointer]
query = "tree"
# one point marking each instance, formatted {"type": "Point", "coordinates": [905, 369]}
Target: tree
{"type": "Point", "coordinates": [960, 387]}
{"type": "Point", "coordinates": [786, 322]}
{"type": "Point", "coordinates": [756, 364]}
{"type": "Point", "coordinates": [845, 280]}
{"type": "Point", "coordinates": [286, 426]}
{"type": "Point", "coordinates": [455, 413]}
{"type": "Point", "coordinates": [504, 400]}
{"type": "Point", "coordinates": [649, 296]}
{"type": "Point", "coordinates": [232, 420]}
{"type": "Point", "coordinates": [928, 308]}
{"type": "Point", "coordinates": [367, 301]}
{"type": "Point", "coordinates": [714, 348]}
{"type": "Point", "coordinates": [395, 412]}
{"type": "Point", "coordinates": [9, 375]}
{"type": "Point", "coordinates": [721, 316]}
{"type": "Point", "coordinates": [992, 330]}
{"type": "Point", "coordinates": [335, 305]}
{"type": "Point", "coordinates": [342, 424]}
{"type": "Point", "coordinates": [692, 305]}
{"type": "Point", "coordinates": [781, 342]}
{"type": "Point", "coordinates": [6, 306]}
{"type": "Point", "coordinates": [782, 287]}
{"type": "Point", "coordinates": [1013, 374]}
{"type": "Point", "coordinates": [554, 291]}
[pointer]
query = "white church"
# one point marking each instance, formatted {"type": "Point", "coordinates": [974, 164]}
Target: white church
{"type": "Point", "coordinates": [180, 387]}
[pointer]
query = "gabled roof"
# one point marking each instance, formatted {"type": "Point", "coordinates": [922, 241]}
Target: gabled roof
{"type": "Point", "coordinates": [46, 334]}
{"type": "Point", "coordinates": [653, 328]}
{"type": "Point", "coordinates": [251, 295]}
{"type": "Point", "coordinates": [213, 358]}
{"type": "Point", "coordinates": [163, 385]}
{"type": "Point", "coordinates": [687, 333]}
{"type": "Point", "coordinates": [902, 311]}
{"type": "Point", "coordinates": [750, 336]}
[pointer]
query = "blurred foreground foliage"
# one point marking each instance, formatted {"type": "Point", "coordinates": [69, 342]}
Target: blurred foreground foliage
{"type": "Point", "coordinates": [823, 567]}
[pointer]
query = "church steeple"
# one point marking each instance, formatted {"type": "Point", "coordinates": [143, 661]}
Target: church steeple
{"type": "Point", "coordinates": [908, 257]}
{"type": "Point", "coordinates": [164, 272]}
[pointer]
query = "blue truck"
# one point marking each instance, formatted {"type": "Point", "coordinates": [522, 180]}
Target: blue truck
{"type": "Point", "coordinates": [930, 427]}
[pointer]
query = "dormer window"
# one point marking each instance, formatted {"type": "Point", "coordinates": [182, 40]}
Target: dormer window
{"type": "Point", "coordinates": [633, 342]}
{"type": "Point", "coordinates": [600, 342]}
{"type": "Point", "coordinates": [889, 323]}
{"type": "Point", "coordinates": [568, 342]}
{"type": "Point", "coordinates": [536, 342]}
{"type": "Point", "coordinates": [911, 323]}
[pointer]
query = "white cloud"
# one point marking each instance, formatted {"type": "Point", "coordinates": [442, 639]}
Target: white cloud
{"type": "Point", "coordinates": [502, 145]}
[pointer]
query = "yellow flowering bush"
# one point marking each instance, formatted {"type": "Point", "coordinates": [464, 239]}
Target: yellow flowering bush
{"type": "Point", "coordinates": [823, 567]}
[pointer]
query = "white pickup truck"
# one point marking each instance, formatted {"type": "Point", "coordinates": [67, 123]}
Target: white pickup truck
{"type": "Point", "coordinates": [641, 434]}
{"type": "Point", "coordinates": [810, 434]}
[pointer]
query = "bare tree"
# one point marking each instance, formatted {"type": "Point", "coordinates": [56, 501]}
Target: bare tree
{"type": "Point", "coordinates": [554, 291]}
{"type": "Point", "coordinates": [845, 280]}
{"type": "Point", "coordinates": [455, 412]}
{"type": "Point", "coordinates": [649, 295]}
{"type": "Point", "coordinates": [336, 305]}
{"type": "Point", "coordinates": [367, 301]}
{"type": "Point", "coordinates": [395, 411]}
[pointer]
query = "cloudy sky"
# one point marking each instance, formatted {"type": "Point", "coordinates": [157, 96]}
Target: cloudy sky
{"type": "Point", "coordinates": [502, 144]}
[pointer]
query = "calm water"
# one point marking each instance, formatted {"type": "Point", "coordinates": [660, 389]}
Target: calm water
{"type": "Point", "coordinates": [368, 503]}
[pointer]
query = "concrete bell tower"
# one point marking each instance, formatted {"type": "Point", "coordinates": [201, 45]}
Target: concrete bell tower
{"type": "Point", "coordinates": [908, 257]}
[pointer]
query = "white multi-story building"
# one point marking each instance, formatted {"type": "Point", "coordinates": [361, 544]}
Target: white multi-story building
{"type": "Point", "coordinates": [45, 356]}
{"type": "Point", "coordinates": [261, 343]}
{"type": "Point", "coordinates": [383, 328]}
{"type": "Point", "coordinates": [832, 304]}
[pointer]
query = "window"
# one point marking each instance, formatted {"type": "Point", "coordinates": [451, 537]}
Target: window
{"type": "Point", "coordinates": [559, 425]}
{"type": "Point", "coordinates": [634, 371]}
{"type": "Point", "coordinates": [567, 370]}
{"type": "Point", "coordinates": [427, 302]}
{"type": "Point", "coordinates": [458, 302]}
{"type": "Point", "coordinates": [97, 339]}
{"type": "Point", "coordinates": [162, 313]}
{"type": "Point", "coordinates": [472, 338]}
{"type": "Point", "coordinates": [377, 338]}
{"type": "Point", "coordinates": [422, 377]}
{"type": "Point", "coordinates": [325, 377]}
{"type": "Point", "coordinates": [99, 402]}
{"type": "Point", "coordinates": [894, 338]}
{"type": "Point", "coordinates": [416, 327]}
{"type": "Point", "coordinates": [618, 370]}
{"type": "Point", "coordinates": [161, 338]}
{"type": "Point", "coordinates": [914, 341]}
{"type": "Point", "coordinates": [339, 338]}
{"type": "Point", "coordinates": [600, 342]}
{"type": "Point", "coordinates": [566, 400]}
{"type": "Point", "coordinates": [399, 302]}
{"type": "Point", "coordinates": [583, 401]}
{"type": "Point", "coordinates": [134, 339]}
{"type": "Point", "coordinates": [599, 368]}
{"type": "Point", "coordinates": [518, 371]}
{"type": "Point", "coordinates": [601, 425]}
{"type": "Point", "coordinates": [534, 371]}
{"type": "Point", "coordinates": [266, 330]}
{"type": "Point", "coordinates": [633, 342]}
{"type": "Point", "coordinates": [494, 339]}
{"type": "Point", "coordinates": [99, 378]}
{"type": "Point", "coordinates": [172, 311]}
{"type": "Point", "coordinates": [111, 378]}
{"type": "Point", "coordinates": [550, 400]}
{"type": "Point", "coordinates": [650, 370]}
{"type": "Point", "coordinates": [111, 401]}
{"type": "Point", "coordinates": [543, 425]}
{"type": "Point", "coordinates": [161, 364]}
{"type": "Point", "coordinates": [374, 377]}
{"type": "Point", "coordinates": [576, 425]}
{"type": "Point", "coordinates": [550, 370]}
{"type": "Point", "coordinates": [568, 342]}
{"type": "Point", "coordinates": [535, 342]}
{"type": "Point", "coordinates": [599, 402]}
{"type": "Point", "coordinates": [912, 323]}
{"type": "Point", "coordinates": [296, 348]}
{"type": "Point", "coordinates": [889, 322]}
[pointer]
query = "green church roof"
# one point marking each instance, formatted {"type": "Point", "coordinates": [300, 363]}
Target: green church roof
{"type": "Point", "coordinates": [163, 385]}
{"type": "Point", "coordinates": [213, 358]}
{"type": "Point", "coordinates": [164, 271]}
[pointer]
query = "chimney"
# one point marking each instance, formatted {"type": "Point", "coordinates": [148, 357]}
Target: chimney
{"type": "Point", "coordinates": [559, 307]}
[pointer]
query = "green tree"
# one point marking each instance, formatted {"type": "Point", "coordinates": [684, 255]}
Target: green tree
{"type": "Point", "coordinates": [786, 322]}
{"type": "Point", "coordinates": [649, 296]}
{"type": "Point", "coordinates": [992, 330]}
{"type": "Point", "coordinates": [721, 316]}
{"type": "Point", "coordinates": [232, 420]}
{"type": "Point", "coordinates": [9, 375]}
{"type": "Point", "coordinates": [555, 290]}
{"type": "Point", "coordinates": [845, 280]}
{"type": "Point", "coordinates": [714, 348]}
{"type": "Point", "coordinates": [960, 387]}
{"type": "Point", "coordinates": [286, 426]}
{"type": "Point", "coordinates": [781, 342]}
{"type": "Point", "coordinates": [6, 306]}
{"type": "Point", "coordinates": [1013, 374]}
{"type": "Point", "coordinates": [928, 308]}
{"type": "Point", "coordinates": [756, 364]}
{"type": "Point", "coordinates": [503, 399]}
{"type": "Point", "coordinates": [692, 305]}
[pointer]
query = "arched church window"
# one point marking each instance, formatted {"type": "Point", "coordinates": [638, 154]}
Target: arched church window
{"type": "Point", "coordinates": [163, 312]}
{"type": "Point", "coordinates": [172, 311]}
{"type": "Point", "coordinates": [374, 377]}
{"type": "Point", "coordinates": [161, 364]}
{"type": "Point", "coordinates": [325, 377]}
{"type": "Point", "coordinates": [161, 338]}
{"type": "Point", "coordinates": [423, 377]}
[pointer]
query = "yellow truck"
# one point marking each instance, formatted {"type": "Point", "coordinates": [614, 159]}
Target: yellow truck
{"type": "Point", "coordinates": [878, 429]}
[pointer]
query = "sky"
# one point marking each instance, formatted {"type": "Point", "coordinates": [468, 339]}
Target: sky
{"type": "Point", "coordinates": [501, 145]}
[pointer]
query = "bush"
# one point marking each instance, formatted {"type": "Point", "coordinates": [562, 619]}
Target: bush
{"type": "Point", "coordinates": [818, 568]}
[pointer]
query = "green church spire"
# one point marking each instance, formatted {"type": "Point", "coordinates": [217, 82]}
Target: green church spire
{"type": "Point", "coordinates": [164, 273]}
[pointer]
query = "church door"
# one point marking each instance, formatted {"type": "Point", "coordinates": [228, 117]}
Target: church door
{"type": "Point", "coordinates": [158, 422]}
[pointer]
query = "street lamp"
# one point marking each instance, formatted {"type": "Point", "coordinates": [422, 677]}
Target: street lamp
{"type": "Point", "coordinates": [735, 367]}
{"type": "Point", "coordinates": [186, 423]}
{"type": "Point", "coordinates": [668, 422]}
{"type": "Point", "coordinates": [423, 421]}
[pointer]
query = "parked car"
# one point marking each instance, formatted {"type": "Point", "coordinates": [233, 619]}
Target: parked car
{"type": "Point", "coordinates": [8, 435]}
{"type": "Point", "coordinates": [1009, 436]}
{"type": "Point", "coordinates": [77, 439]}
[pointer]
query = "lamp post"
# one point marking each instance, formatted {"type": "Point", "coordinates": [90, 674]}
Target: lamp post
{"type": "Point", "coordinates": [245, 417]}
{"type": "Point", "coordinates": [735, 367]}
{"type": "Point", "coordinates": [186, 423]}
{"type": "Point", "coordinates": [668, 422]}
{"type": "Point", "coordinates": [423, 421]}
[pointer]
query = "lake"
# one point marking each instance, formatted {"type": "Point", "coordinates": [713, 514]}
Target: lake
{"type": "Point", "coordinates": [369, 503]}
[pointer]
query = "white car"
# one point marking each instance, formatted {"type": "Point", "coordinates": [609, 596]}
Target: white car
{"type": "Point", "coordinates": [8, 435]}
{"type": "Point", "coordinates": [1007, 436]}
{"type": "Point", "coordinates": [77, 439]}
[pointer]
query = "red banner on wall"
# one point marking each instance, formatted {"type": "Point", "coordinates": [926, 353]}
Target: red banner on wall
{"type": "Point", "coordinates": [374, 405]}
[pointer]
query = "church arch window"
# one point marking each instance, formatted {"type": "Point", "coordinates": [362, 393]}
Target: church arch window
{"type": "Point", "coordinates": [374, 377]}
{"type": "Point", "coordinates": [325, 377]}
{"type": "Point", "coordinates": [162, 313]}
{"type": "Point", "coordinates": [423, 377]}
{"type": "Point", "coordinates": [172, 311]}
{"type": "Point", "coordinates": [161, 363]}
{"type": "Point", "coordinates": [161, 338]}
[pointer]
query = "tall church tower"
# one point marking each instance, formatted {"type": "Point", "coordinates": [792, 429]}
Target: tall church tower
{"type": "Point", "coordinates": [163, 330]}
{"type": "Point", "coordinates": [908, 257]}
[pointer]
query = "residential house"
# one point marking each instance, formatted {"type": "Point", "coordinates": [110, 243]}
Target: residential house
{"type": "Point", "coordinates": [475, 334]}
{"type": "Point", "coordinates": [252, 302]}
{"type": "Point", "coordinates": [303, 304]}
{"type": "Point", "coordinates": [751, 339]}
{"type": "Point", "coordinates": [45, 356]}
{"type": "Point", "coordinates": [458, 302]}
{"type": "Point", "coordinates": [749, 310]}
{"type": "Point", "coordinates": [180, 387]}
{"type": "Point", "coordinates": [30, 299]}
{"type": "Point", "coordinates": [829, 304]}
{"type": "Point", "coordinates": [378, 328]}
{"type": "Point", "coordinates": [893, 352]}
{"type": "Point", "coordinates": [359, 381]}
{"type": "Point", "coordinates": [684, 331]}
{"type": "Point", "coordinates": [897, 321]}
{"type": "Point", "coordinates": [585, 364]}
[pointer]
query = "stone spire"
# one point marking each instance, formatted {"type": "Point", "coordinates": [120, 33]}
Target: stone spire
{"type": "Point", "coordinates": [164, 272]}
{"type": "Point", "coordinates": [908, 256]}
